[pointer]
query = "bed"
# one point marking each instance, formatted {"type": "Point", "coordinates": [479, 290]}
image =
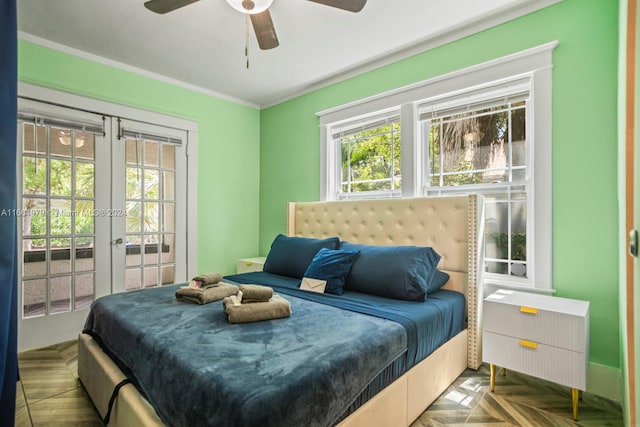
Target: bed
{"type": "Point", "coordinates": [395, 395]}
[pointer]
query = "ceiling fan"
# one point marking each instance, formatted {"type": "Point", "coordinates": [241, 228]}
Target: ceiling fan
{"type": "Point", "coordinates": [258, 11]}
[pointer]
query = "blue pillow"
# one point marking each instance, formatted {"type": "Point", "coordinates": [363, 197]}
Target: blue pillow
{"type": "Point", "coordinates": [438, 281]}
{"type": "Point", "coordinates": [399, 272]}
{"type": "Point", "coordinates": [332, 266]}
{"type": "Point", "coordinates": [290, 256]}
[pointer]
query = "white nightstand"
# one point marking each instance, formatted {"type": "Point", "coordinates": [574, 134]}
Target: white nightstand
{"type": "Point", "coordinates": [247, 265]}
{"type": "Point", "coordinates": [539, 335]}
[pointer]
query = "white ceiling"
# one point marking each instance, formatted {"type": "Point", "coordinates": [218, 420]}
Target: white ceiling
{"type": "Point", "coordinates": [202, 45]}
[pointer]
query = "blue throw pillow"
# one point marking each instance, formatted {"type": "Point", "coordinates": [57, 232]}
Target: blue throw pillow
{"type": "Point", "coordinates": [399, 272]}
{"type": "Point", "coordinates": [332, 266]}
{"type": "Point", "coordinates": [438, 281]}
{"type": "Point", "coordinates": [290, 256]}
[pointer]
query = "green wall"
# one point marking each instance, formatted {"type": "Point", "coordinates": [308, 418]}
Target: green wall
{"type": "Point", "coordinates": [585, 210]}
{"type": "Point", "coordinates": [228, 144]}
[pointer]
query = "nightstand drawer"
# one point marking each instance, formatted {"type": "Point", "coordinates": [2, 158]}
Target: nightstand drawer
{"type": "Point", "coordinates": [537, 324]}
{"type": "Point", "coordinates": [248, 265]}
{"type": "Point", "coordinates": [561, 366]}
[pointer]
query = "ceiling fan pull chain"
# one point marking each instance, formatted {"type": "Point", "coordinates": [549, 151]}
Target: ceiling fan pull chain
{"type": "Point", "coordinates": [246, 39]}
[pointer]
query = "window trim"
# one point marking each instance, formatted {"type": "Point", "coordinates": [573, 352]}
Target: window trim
{"type": "Point", "coordinates": [535, 65]}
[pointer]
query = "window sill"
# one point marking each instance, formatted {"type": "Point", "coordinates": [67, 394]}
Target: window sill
{"type": "Point", "coordinates": [491, 285]}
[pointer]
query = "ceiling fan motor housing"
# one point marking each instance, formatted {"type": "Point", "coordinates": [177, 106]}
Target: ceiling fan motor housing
{"type": "Point", "coordinates": [248, 4]}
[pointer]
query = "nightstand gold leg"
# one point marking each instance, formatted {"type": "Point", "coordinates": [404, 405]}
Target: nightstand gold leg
{"type": "Point", "coordinates": [492, 381]}
{"type": "Point", "coordinates": [575, 395]}
{"type": "Point", "coordinates": [504, 372]}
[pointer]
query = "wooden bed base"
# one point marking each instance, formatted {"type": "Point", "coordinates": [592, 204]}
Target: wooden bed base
{"type": "Point", "coordinates": [399, 404]}
{"type": "Point", "coordinates": [452, 225]}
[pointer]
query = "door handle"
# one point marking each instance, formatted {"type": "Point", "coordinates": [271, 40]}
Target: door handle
{"type": "Point", "coordinates": [117, 241]}
{"type": "Point", "coordinates": [633, 243]}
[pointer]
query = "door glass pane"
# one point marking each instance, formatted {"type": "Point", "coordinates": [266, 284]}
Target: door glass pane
{"type": "Point", "coordinates": [169, 185]}
{"type": "Point", "coordinates": [134, 183]}
{"type": "Point", "coordinates": [151, 184]}
{"type": "Point", "coordinates": [34, 259]}
{"type": "Point", "coordinates": [28, 139]}
{"type": "Point", "coordinates": [168, 156]}
{"type": "Point", "coordinates": [84, 180]}
{"type": "Point", "coordinates": [84, 290]}
{"type": "Point", "coordinates": [168, 274]}
{"type": "Point", "coordinates": [60, 294]}
{"type": "Point", "coordinates": [60, 255]}
{"type": "Point", "coordinates": [84, 254]}
{"type": "Point", "coordinates": [151, 215]}
{"type": "Point", "coordinates": [84, 216]}
{"type": "Point", "coordinates": [133, 279]}
{"type": "Point", "coordinates": [85, 146]}
{"type": "Point", "coordinates": [151, 155]}
{"type": "Point", "coordinates": [151, 277]}
{"type": "Point", "coordinates": [133, 256]}
{"type": "Point", "coordinates": [169, 248]}
{"type": "Point", "coordinates": [134, 217]}
{"type": "Point", "coordinates": [151, 251]}
{"type": "Point", "coordinates": [34, 173]}
{"type": "Point", "coordinates": [134, 152]}
{"type": "Point", "coordinates": [60, 142]}
{"type": "Point", "coordinates": [60, 216]}
{"type": "Point", "coordinates": [168, 217]}
{"type": "Point", "coordinates": [34, 220]}
{"type": "Point", "coordinates": [60, 177]}
{"type": "Point", "coordinates": [34, 297]}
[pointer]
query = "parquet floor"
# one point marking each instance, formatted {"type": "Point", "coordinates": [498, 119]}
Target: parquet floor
{"type": "Point", "coordinates": [49, 394]}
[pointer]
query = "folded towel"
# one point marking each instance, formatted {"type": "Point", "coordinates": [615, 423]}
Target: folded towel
{"type": "Point", "coordinates": [256, 293]}
{"type": "Point", "coordinates": [276, 308]}
{"type": "Point", "coordinates": [205, 296]}
{"type": "Point", "coordinates": [208, 279]}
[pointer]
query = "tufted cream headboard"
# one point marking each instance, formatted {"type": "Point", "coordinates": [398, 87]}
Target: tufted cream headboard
{"type": "Point", "coordinates": [452, 225]}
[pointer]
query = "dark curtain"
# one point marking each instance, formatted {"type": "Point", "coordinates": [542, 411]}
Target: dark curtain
{"type": "Point", "coordinates": [8, 231]}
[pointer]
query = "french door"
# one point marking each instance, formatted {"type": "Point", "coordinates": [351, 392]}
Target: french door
{"type": "Point", "coordinates": [102, 202]}
{"type": "Point", "coordinates": [148, 164]}
{"type": "Point", "coordinates": [64, 235]}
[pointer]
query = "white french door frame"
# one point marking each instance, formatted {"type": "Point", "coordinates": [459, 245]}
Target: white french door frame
{"type": "Point", "coordinates": [43, 332]}
{"type": "Point", "coordinates": [118, 197]}
{"type": "Point", "coordinates": [49, 329]}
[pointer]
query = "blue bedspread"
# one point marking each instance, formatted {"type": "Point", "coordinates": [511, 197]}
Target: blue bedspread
{"type": "Point", "coordinates": [428, 325]}
{"type": "Point", "coordinates": [196, 369]}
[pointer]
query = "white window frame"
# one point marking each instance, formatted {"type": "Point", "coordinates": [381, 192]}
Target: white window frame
{"type": "Point", "coordinates": [390, 116]}
{"type": "Point", "coordinates": [534, 66]}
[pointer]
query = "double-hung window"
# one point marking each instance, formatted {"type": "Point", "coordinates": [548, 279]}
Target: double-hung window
{"type": "Point", "coordinates": [478, 130]}
{"type": "Point", "coordinates": [479, 144]}
{"type": "Point", "coordinates": [369, 156]}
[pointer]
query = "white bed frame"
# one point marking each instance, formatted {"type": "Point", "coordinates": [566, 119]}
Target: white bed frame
{"type": "Point", "coordinates": [452, 225]}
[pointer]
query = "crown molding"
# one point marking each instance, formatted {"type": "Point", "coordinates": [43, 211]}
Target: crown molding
{"type": "Point", "coordinates": [464, 29]}
{"type": "Point", "coordinates": [129, 68]}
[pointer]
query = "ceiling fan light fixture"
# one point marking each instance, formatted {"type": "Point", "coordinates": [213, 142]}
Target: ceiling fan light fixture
{"type": "Point", "coordinates": [250, 6]}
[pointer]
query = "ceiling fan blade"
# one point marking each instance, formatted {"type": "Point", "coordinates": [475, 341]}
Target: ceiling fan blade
{"type": "Point", "coordinates": [164, 6]}
{"type": "Point", "coordinates": [264, 29]}
{"type": "Point", "coordinates": [350, 5]}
